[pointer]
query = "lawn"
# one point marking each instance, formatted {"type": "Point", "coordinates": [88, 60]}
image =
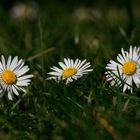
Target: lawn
{"type": "Point", "coordinates": [87, 108]}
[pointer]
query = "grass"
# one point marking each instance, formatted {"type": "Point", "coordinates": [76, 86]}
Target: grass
{"type": "Point", "coordinates": [86, 109]}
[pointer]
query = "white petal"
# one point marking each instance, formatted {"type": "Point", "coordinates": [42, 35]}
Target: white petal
{"type": "Point", "coordinates": [9, 62]}
{"type": "Point", "coordinates": [3, 62]}
{"type": "Point", "coordinates": [22, 83]}
{"type": "Point", "coordinates": [54, 73]}
{"type": "Point", "coordinates": [66, 62]}
{"type": "Point", "coordinates": [130, 53]}
{"type": "Point", "coordinates": [13, 63]}
{"type": "Point", "coordinates": [72, 63]}
{"type": "Point", "coordinates": [82, 64]}
{"type": "Point", "coordinates": [56, 69]}
{"type": "Point", "coordinates": [15, 91]}
{"type": "Point", "coordinates": [10, 96]}
{"type": "Point", "coordinates": [63, 66]}
{"type": "Point", "coordinates": [76, 62]}
{"type": "Point", "coordinates": [22, 71]}
{"type": "Point", "coordinates": [120, 59]}
{"type": "Point", "coordinates": [124, 54]}
{"type": "Point", "coordinates": [1, 67]}
{"type": "Point", "coordinates": [69, 80]}
{"type": "Point", "coordinates": [17, 67]}
{"type": "Point", "coordinates": [50, 78]}
{"type": "Point", "coordinates": [25, 77]}
{"type": "Point", "coordinates": [69, 63]}
{"type": "Point", "coordinates": [84, 67]}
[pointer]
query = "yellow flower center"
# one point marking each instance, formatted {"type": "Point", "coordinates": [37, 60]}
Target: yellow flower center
{"type": "Point", "coordinates": [129, 68]}
{"type": "Point", "coordinates": [9, 77]}
{"type": "Point", "coordinates": [69, 72]}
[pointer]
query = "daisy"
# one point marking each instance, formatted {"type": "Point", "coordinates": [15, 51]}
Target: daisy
{"type": "Point", "coordinates": [22, 11]}
{"type": "Point", "coordinates": [70, 70]}
{"type": "Point", "coordinates": [126, 71]}
{"type": "Point", "coordinates": [12, 78]}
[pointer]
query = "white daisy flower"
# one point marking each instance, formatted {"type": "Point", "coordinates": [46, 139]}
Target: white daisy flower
{"type": "Point", "coordinates": [126, 71]}
{"type": "Point", "coordinates": [70, 70]}
{"type": "Point", "coordinates": [12, 78]}
{"type": "Point", "coordinates": [21, 11]}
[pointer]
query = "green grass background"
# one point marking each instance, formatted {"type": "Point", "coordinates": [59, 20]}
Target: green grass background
{"type": "Point", "coordinates": [87, 109]}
